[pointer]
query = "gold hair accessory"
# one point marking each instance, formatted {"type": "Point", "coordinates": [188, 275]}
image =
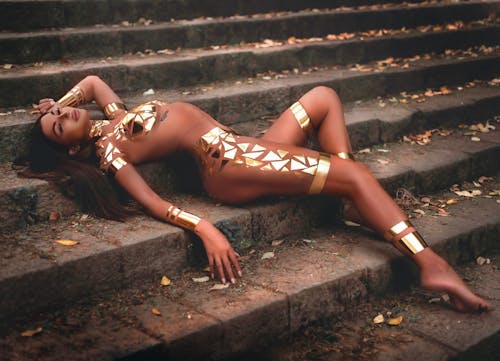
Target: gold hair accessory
{"type": "Point", "coordinates": [302, 118]}
{"type": "Point", "coordinates": [405, 238]}
{"type": "Point", "coordinates": [111, 109]}
{"type": "Point", "coordinates": [72, 98]}
{"type": "Point", "coordinates": [181, 218]}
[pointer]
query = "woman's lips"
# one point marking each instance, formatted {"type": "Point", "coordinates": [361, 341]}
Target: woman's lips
{"type": "Point", "coordinates": [75, 114]}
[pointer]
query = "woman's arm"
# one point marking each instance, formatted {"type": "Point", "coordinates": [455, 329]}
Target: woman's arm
{"type": "Point", "coordinates": [219, 252]}
{"type": "Point", "coordinates": [90, 88]}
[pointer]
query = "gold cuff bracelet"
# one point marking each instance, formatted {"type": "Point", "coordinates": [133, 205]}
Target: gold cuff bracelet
{"type": "Point", "coordinates": [302, 118]}
{"type": "Point", "coordinates": [321, 174]}
{"type": "Point", "coordinates": [181, 218]}
{"type": "Point", "coordinates": [112, 108]}
{"type": "Point", "coordinates": [410, 243]}
{"type": "Point", "coordinates": [72, 98]}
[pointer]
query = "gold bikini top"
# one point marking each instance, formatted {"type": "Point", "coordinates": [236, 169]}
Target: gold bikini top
{"type": "Point", "coordinates": [137, 122]}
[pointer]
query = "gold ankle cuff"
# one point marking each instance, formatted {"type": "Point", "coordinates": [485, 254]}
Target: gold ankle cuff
{"type": "Point", "coordinates": [410, 243]}
{"type": "Point", "coordinates": [302, 118]}
{"type": "Point", "coordinates": [321, 174]}
{"type": "Point", "coordinates": [345, 155]}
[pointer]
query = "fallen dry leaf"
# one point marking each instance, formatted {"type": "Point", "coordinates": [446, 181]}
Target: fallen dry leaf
{"type": "Point", "coordinates": [378, 319]}
{"type": "Point", "coordinates": [31, 333]}
{"type": "Point", "coordinates": [165, 281]}
{"type": "Point", "coordinates": [267, 255]}
{"type": "Point", "coordinates": [201, 279]}
{"type": "Point", "coordinates": [475, 139]}
{"type": "Point", "coordinates": [277, 242]}
{"type": "Point", "coordinates": [219, 286]}
{"type": "Point", "coordinates": [395, 321]}
{"type": "Point", "coordinates": [67, 242]}
{"type": "Point", "coordinates": [155, 312]}
{"type": "Point", "coordinates": [54, 216]}
{"type": "Point", "coordinates": [443, 213]}
{"type": "Point", "coordinates": [481, 260]}
{"type": "Point", "coordinates": [352, 224]}
{"type": "Point", "coordinates": [383, 161]}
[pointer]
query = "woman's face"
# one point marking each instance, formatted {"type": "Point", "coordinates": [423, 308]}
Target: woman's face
{"type": "Point", "coordinates": [67, 126]}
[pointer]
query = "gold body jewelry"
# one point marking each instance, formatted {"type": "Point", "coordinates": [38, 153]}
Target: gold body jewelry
{"type": "Point", "coordinates": [72, 98]}
{"type": "Point", "coordinates": [181, 218]}
{"type": "Point", "coordinates": [345, 155]}
{"type": "Point", "coordinates": [302, 118]}
{"type": "Point", "coordinates": [411, 242]}
{"type": "Point", "coordinates": [218, 147]}
{"type": "Point", "coordinates": [139, 121]}
{"type": "Point", "coordinates": [111, 109]}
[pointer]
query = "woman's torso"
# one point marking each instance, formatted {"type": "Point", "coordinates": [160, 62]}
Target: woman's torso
{"type": "Point", "coordinates": [173, 127]}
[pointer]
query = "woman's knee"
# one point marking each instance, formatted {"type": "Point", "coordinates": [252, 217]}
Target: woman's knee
{"type": "Point", "coordinates": [359, 177]}
{"type": "Point", "coordinates": [318, 102]}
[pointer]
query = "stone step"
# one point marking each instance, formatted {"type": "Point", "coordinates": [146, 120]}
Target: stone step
{"type": "Point", "coordinates": [111, 255]}
{"type": "Point", "coordinates": [427, 331]}
{"type": "Point", "coordinates": [15, 15]}
{"type": "Point", "coordinates": [25, 85]}
{"type": "Point", "coordinates": [110, 41]}
{"type": "Point", "coordinates": [324, 274]}
{"type": "Point", "coordinates": [24, 201]}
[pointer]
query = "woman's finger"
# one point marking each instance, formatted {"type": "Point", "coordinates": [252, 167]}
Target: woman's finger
{"type": "Point", "coordinates": [229, 270]}
{"type": "Point", "coordinates": [218, 264]}
{"type": "Point", "coordinates": [234, 260]}
{"type": "Point", "coordinates": [211, 266]}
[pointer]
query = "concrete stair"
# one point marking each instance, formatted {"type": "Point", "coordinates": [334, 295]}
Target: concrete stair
{"type": "Point", "coordinates": [113, 272]}
{"type": "Point", "coordinates": [326, 273]}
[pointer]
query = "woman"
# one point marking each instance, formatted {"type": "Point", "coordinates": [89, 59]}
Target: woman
{"type": "Point", "coordinates": [234, 168]}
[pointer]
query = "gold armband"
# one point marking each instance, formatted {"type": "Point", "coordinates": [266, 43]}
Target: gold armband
{"type": "Point", "coordinates": [405, 238]}
{"type": "Point", "coordinates": [302, 118]}
{"type": "Point", "coordinates": [345, 155]}
{"type": "Point", "coordinates": [112, 108]}
{"type": "Point", "coordinates": [72, 98]}
{"type": "Point", "coordinates": [181, 218]}
{"type": "Point", "coordinates": [321, 174]}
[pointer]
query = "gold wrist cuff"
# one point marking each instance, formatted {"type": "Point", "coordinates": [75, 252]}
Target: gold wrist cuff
{"type": "Point", "coordinates": [112, 108]}
{"type": "Point", "coordinates": [302, 118]}
{"type": "Point", "coordinates": [345, 155]}
{"type": "Point", "coordinates": [321, 174]}
{"type": "Point", "coordinates": [411, 243]}
{"type": "Point", "coordinates": [181, 218]}
{"type": "Point", "coordinates": [72, 98]}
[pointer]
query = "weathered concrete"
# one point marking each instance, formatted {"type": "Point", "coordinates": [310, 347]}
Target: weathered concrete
{"type": "Point", "coordinates": [57, 13]}
{"type": "Point", "coordinates": [22, 48]}
{"type": "Point", "coordinates": [325, 276]}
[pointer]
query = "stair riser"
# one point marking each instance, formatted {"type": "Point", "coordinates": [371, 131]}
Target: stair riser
{"type": "Point", "coordinates": [16, 15]}
{"type": "Point", "coordinates": [21, 49]}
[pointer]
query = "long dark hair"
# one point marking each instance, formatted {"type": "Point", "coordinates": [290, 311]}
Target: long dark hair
{"type": "Point", "coordinates": [80, 179]}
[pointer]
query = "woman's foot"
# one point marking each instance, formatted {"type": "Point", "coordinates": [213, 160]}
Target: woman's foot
{"type": "Point", "coordinates": [437, 275]}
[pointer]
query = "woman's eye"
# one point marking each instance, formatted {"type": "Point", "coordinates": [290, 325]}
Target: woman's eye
{"type": "Point", "coordinates": [58, 111]}
{"type": "Point", "coordinates": [60, 128]}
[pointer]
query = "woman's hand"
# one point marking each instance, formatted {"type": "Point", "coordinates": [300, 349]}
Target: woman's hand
{"type": "Point", "coordinates": [219, 252]}
{"type": "Point", "coordinates": [44, 105]}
